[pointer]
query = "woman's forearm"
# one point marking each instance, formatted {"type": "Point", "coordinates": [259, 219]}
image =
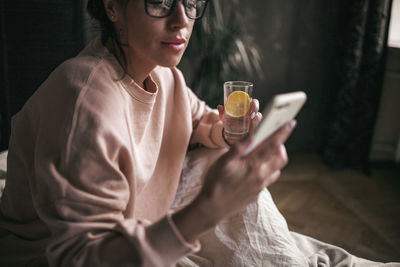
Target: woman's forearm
{"type": "Point", "coordinates": [195, 219]}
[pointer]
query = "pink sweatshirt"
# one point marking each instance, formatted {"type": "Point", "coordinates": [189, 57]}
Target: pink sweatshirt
{"type": "Point", "coordinates": [94, 163]}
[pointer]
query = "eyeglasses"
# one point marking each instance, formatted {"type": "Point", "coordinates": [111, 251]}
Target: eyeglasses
{"type": "Point", "coordinates": [194, 9]}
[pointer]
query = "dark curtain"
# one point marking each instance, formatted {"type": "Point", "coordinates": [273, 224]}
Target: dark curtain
{"type": "Point", "coordinates": [359, 68]}
{"type": "Point", "coordinates": [4, 129]}
{"type": "Point", "coordinates": [36, 36]}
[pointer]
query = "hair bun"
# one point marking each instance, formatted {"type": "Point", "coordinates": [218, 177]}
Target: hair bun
{"type": "Point", "coordinates": [96, 9]}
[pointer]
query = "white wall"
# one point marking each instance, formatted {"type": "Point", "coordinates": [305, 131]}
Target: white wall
{"type": "Point", "coordinates": [394, 30]}
{"type": "Point", "coordinates": [386, 141]}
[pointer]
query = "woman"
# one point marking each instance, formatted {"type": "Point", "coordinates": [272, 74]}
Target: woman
{"type": "Point", "coordinates": [96, 153]}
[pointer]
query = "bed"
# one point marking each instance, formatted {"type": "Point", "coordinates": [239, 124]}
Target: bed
{"type": "Point", "coordinates": [257, 236]}
{"type": "Point", "coordinates": [3, 168]}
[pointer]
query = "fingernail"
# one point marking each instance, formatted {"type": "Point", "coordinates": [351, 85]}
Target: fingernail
{"type": "Point", "coordinates": [293, 124]}
{"type": "Point", "coordinates": [252, 115]}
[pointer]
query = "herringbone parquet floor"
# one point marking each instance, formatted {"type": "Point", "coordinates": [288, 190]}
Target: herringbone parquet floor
{"type": "Point", "coordinates": [346, 208]}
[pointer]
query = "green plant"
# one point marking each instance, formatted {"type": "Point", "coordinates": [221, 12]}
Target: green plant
{"type": "Point", "coordinates": [220, 50]}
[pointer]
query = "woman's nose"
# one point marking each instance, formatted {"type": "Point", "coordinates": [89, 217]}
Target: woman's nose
{"type": "Point", "coordinates": [178, 18]}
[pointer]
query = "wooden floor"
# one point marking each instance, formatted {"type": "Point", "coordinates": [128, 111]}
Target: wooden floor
{"type": "Point", "coordinates": [346, 208]}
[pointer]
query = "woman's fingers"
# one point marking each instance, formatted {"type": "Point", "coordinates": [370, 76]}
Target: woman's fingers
{"type": "Point", "coordinates": [283, 134]}
{"type": "Point", "coordinates": [277, 160]}
{"type": "Point", "coordinates": [237, 150]}
{"type": "Point", "coordinates": [280, 158]}
{"type": "Point", "coordinates": [254, 107]}
{"type": "Point", "coordinates": [255, 120]}
{"type": "Point", "coordinates": [232, 181]}
{"type": "Point", "coordinates": [255, 116]}
{"type": "Point", "coordinates": [273, 142]}
{"type": "Point", "coordinates": [272, 178]}
{"type": "Point", "coordinates": [221, 111]}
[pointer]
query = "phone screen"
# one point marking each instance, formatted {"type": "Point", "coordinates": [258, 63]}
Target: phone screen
{"type": "Point", "coordinates": [281, 109]}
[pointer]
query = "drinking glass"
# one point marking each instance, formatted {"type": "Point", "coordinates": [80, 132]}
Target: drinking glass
{"type": "Point", "coordinates": [237, 101]}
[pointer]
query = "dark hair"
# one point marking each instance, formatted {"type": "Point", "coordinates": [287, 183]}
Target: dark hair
{"type": "Point", "coordinates": [97, 11]}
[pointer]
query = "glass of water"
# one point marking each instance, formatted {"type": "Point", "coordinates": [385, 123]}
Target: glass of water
{"type": "Point", "coordinates": [237, 102]}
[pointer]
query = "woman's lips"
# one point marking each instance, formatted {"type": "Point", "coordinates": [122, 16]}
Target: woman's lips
{"type": "Point", "coordinates": [174, 45]}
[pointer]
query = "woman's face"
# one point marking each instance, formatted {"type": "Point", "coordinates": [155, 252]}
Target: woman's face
{"type": "Point", "coordinates": [155, 41]}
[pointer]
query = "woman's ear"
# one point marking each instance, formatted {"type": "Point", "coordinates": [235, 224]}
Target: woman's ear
{"type": "Point", "coordinates": [112, 10]}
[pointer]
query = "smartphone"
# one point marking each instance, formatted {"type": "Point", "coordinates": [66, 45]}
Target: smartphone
{"type": "Point", "coordinates": [281, 109]}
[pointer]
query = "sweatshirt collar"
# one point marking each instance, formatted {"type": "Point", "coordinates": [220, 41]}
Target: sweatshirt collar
{"type": "Point", "coordinates": [125, 80]}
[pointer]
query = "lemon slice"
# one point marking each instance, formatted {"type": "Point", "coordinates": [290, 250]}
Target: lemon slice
{"type": "Point", "coordinates": [237, 104]}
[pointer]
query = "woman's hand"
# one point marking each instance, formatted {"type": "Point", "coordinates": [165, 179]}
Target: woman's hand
{"type": "Point", "coordinates": [233, 182]}
{"type": "Point", "coordinates": [253, 113]}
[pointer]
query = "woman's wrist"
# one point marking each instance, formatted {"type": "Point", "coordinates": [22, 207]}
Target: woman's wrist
{"type": "Point", "coordinates": [194, 220]}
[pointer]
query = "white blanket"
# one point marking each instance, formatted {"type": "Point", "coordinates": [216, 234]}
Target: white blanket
{"type": "Point", "coordinates": [257, 236]}
{"type": "Point", "coordinates": [3, 169]}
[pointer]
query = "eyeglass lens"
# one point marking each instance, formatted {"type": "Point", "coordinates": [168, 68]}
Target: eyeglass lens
{"type": "Point", "coordinates": [161, 8]}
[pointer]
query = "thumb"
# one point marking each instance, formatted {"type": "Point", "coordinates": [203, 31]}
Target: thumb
{"type": "Point", "coordinates": [237, 150]}
{"type": "Point", "coordinates": [221, 111]}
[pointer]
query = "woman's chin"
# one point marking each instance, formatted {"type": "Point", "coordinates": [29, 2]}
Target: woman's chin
{"type": "Point", "coordinates": [170, 63]}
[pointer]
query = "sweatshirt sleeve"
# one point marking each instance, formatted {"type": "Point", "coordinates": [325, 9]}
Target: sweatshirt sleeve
{"type": "Point", "coordinates": [83, 196]}
{"type": "Point", "coordinates": [207, 127]}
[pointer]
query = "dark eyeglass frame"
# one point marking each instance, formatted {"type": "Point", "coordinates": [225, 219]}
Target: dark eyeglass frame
{"type": "Point", "coordinates": [184, 2]}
